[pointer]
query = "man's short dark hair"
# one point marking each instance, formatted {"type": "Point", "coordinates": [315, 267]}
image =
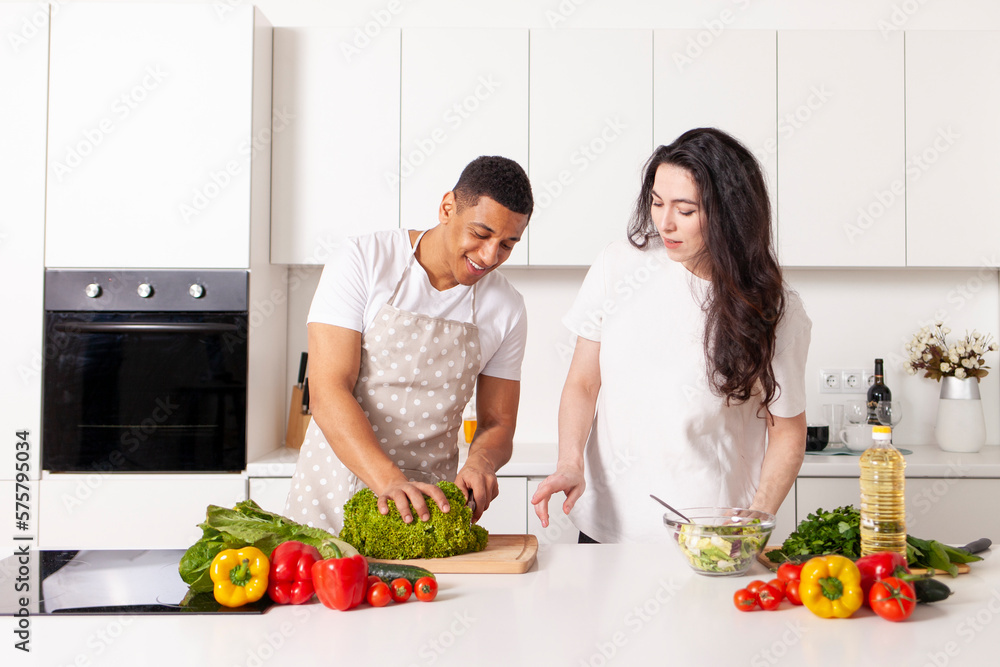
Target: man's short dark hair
{"type": "Point", "coordinates": [498, 178]}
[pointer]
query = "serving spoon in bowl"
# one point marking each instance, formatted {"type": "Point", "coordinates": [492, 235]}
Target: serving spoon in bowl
{"type": "Point", "coordinates": [670, 508]}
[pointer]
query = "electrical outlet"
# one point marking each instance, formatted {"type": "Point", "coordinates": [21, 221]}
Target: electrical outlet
{"type": "Point", "coordinates": [868, 379]}
{"type": "Point", "coordinates": [852, 382]}
{"type": "Point", "coordinates": [830, 382]}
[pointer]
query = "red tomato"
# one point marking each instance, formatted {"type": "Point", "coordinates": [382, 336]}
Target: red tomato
{"type": "Point", "coordinates": [893, 599]}
{"type": "Point", "coordinates": [780, 586]}
{"type": "Point", "coordinates": [744, 600]}
{"type": "Point", "coordinates": [372, 580]}
{"type": "Point", "coordinates": [378, 594]}
{"type": "Point", "coordinates": [792, 592]}
{"type": "Point", "coordinates": [400, 590]}
{"type": "Point", "coordinates": [426, 589]}
{"type": "Point", "coordinates": [768, 597]}
{"type": "Point", "coordinates": [754, 585]}
{"type": "Point", "coordinates": [789, 572]}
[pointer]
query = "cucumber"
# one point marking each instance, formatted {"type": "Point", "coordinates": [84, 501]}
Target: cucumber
{"type": "Point", "coordinates": [930, 590]}
{"type": "Point", "coordinates": [389, 571]}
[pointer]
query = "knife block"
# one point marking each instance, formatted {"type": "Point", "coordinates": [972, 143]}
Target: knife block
{"type": "Point", "coordinates": [298, 421]}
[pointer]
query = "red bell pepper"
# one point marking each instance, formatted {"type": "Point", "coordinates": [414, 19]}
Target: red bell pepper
{"type": "Point", "coordinates": [290, 580]}
{"type": "Point", "coordinates": [878, 566]}
{"type": "Point", "coordinates": [340, 583]}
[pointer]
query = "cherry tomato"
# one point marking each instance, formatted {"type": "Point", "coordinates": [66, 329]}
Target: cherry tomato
{"type": "Point", "coordinates": [789, 572]}
{"type": "Point", "coordinates": [372, 580]}
{"type": "Point", "coordinates": [792, 592]}
{"type": "Point", "coordinates": [378, 594]}
{"type": "Point", "coordinates": [768, 597]}
{"type": "Point", "coordinates": [893, 599]}
{"type": "Point", "coordinates": [754, 585]}
{"type": "Point", "coordinates": [400, 590]}
{"type": "Point", "coordinates": [779, 585]}
{"type": "Point", "coordinates": [744, 600]}
{"type": "Point", "coordinates": [426, 589]}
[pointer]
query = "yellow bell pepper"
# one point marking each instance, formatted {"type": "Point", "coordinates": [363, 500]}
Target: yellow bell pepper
{"type": "Point", "coordinates": [831, 586]}
{"type": "Point", "coordinates": [240, 576]}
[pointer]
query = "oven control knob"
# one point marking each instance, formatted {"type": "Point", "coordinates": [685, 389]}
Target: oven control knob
{"type": "Point", "coordinates": [145, 290]}
{"type": "Point", "coordinates": [196, 290]}
{"type": "Point", "coordinates": [93, 290]}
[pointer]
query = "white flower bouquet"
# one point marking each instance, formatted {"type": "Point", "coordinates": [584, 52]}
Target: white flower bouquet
{"type": "Point", "coordinates": [929, 352]}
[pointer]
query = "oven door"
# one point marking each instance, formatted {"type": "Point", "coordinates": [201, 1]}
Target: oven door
{"type": "Point", "coordinates": [146, 391]}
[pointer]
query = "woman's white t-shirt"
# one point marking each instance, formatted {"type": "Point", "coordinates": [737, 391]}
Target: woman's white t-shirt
{"type": "Point", "coordinates": [658, 427]}
{"type": "Point", "coordinates": [362, 274]}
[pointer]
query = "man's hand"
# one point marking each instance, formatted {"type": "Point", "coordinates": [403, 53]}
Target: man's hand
{"type": "Point", "coordinates": [405, 493]}
{"type": "Point", "coordinates": [478, 480]}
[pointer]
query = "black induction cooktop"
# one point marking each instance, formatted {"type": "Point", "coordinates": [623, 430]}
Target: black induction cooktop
{"type": "Point", "coordinates": [104, 582]}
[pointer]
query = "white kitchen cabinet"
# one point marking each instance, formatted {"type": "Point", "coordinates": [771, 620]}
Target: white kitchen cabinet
{"type": "Point", "coordinates": [23, 68]}
{"type": "Point", "coordinates": [151, 141]}
{"type": "Point", "coordinates": [456, 109]}
{"type": "Point", "coordinates": [841, 189]}
{"type": "Point", "coordinates": [270, 492]}
{"type": "Point", "coordinates": [952, 138]}
{"type": "Point", "coordinates": [729, 84]}
{"type": "Point", "coordinates": [105, 511]}
{"type": "Point", "coordinates": [590, 129]}
{"type": "Point", "coordinates": [784, 519]}
{"type": "Point", "coordinates": [936, 508]}
{"type": "Point", "coordinates": [335, 170]}
{"type": "Point", "coordinates": [507, 514]}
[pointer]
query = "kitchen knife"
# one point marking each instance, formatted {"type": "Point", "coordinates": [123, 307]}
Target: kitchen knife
{"type": "Point", "coordinates": [305, 397]}
{"type": "Point", "coordinates": [302, 368]}
{"type": "Point", "coordinates": [982, 544]}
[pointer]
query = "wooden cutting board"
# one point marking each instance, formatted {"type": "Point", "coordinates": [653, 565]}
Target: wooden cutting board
{"type": "Point", "coordinates": [505, 554]}
{"type": "Point", "coordinates": [963, 568]}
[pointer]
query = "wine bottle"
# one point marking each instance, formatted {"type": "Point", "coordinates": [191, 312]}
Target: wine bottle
{"type": "Point", "coordinates": [877, 392]}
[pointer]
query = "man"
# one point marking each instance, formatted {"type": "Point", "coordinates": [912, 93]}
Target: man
{"type": "Point", "coordinates": [402, 328]}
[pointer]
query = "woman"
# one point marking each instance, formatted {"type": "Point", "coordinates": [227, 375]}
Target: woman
{"type": "Point", "coordinates": [690, 348]}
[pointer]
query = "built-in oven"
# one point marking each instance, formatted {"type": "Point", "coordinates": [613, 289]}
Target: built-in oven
{"type": "Point", "coordinates": [145, 371]}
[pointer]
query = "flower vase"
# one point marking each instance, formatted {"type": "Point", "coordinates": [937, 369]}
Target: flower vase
{"type": "Point", "coordinates": [961, 426]}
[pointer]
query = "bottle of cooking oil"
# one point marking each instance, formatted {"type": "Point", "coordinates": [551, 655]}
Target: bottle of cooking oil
{"type": "Point", "coordinates": [883, 512]}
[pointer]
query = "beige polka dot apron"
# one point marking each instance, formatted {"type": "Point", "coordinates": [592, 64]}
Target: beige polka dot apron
{"type": "Point", "coordinates": [417, 374]}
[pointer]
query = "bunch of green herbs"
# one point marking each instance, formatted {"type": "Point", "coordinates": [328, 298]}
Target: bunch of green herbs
{"type": "Point", "coordinates": [835, 532]}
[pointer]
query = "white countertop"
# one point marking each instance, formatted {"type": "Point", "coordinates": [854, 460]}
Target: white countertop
{"type": "Point", "coordinates": [580, 605]}
{"type": "Point", "coordinates": [539, 460]}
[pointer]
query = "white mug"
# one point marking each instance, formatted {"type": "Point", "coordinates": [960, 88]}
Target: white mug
{"type": "Point", "coordinates": [857, 437]}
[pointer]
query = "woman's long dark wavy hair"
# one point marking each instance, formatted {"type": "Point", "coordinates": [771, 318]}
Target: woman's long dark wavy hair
{"type": "Point", "coordinates": [746, 299]}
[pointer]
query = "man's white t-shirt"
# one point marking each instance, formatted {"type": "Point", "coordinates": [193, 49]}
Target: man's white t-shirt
{"type": "Point", "coordinates": [658, 427]}
{"type": "Point", "coordinates": [362, 274]}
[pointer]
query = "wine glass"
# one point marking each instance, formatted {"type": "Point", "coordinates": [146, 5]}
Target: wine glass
{"type": "Point", "coordinates": [889, 413]}
{"type": "Point", "coordinates": [856, 412]}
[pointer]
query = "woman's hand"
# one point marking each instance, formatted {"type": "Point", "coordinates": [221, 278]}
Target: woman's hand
{"type": "Point", "coordinates": [404, 493]}
{"type": "Point", "coordinates": [569, 481]}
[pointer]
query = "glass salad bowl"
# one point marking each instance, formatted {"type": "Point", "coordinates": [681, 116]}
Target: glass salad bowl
{"type": "Point", "coordinates": [720, 541]}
